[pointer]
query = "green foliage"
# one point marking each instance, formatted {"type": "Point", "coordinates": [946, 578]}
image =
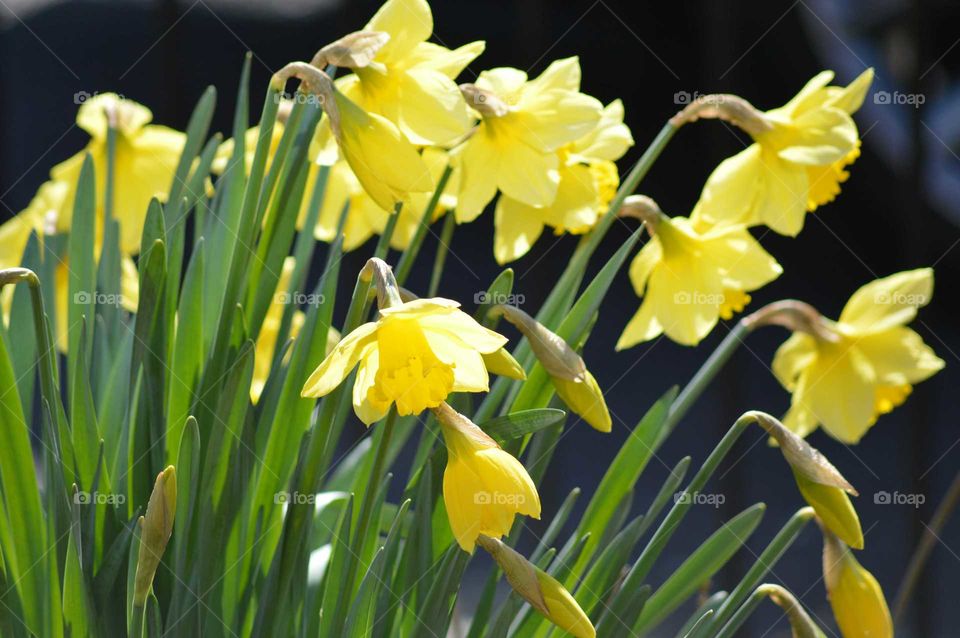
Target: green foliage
{"type": "Point", "coordinates": [275, 531]}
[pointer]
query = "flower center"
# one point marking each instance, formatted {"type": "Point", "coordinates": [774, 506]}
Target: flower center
{"type": "Point", "coordinates": [409, 374]}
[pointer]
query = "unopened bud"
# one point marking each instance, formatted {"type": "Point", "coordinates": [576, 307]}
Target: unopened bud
{"type": "Point", "coordinates": [554, 354]}
{"type": "Point", "coordinates": [388, 293]}
{"type": "Point", "coordinates": [542, 591]}
{"type": "Point", "coordinates": [858, 603]}
{"type": "Point", "coordinates": [155, 529]}
{"type": "Point", "coordinates": [819, 482]}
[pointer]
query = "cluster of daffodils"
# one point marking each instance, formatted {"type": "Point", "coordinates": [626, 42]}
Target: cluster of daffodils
{"type": "Point", "coordinates": [403, 141]}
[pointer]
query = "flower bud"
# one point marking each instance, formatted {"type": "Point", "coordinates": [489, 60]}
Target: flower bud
{"type": "Point", "coordinates": [502, 363]}
{"type": "Point", "coordinates": [542, 591]}
{"type": "Point", "coordinates": [856, 598]}
{"type": "Point", "coordinates": [574, 384]}
{"type": "Point", "coordinates": [820, 483]}
{"type": "Point", "coordinates": [155, 529]}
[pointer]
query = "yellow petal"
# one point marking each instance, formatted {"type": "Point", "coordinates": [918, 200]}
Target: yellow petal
{"type": "Point", "coordinates": [820, 137]}
{"type": "Point", "coordinates": [449, 62]}
{"type": "Point", "coordinates": [528, 175]}
{"type": "Point", "coordinates": [851, 97]}
{"type": "Point", "coordinates": [131, 116]}
{"type": "Point", "coordinates": [561, 74]}
{"type": "Point", "coordinates": [792, 358]}
{"type": "Point", "coordinates": [431, 109]}
{"type": "Point", "coordinates": [609, 140]}
{"type": "Point", "coordinates": [729, 197]}
{"type": "Point", "coordinates": [887, 302]}
{"type": "Point", "coordinates": [549, 119]}
{"type": "Point", "coordinates": [479, 165]}
{"type": "Point", "coordinates": [899, 356]}
{"type": "Point", "coordinates": [841, 391]}
{"type": "Point", "coordinates": [337, 365]}
{"type": "Point", "coordinates": [516, 227]}
{"type": "Point", "coordinates": [409, 22]}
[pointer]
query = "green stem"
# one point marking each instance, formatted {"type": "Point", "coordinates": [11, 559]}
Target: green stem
{"type": "Point", "coordinates": [402, 271]}
{"type": "Point", "coordinates": [619, 608]}
{"type": "Point", "coordinates": [446, 236]}
{"type": "Point", "coordinates": [764, 563]}
{"type": "Point", "coordinates": [740, 616]}
{"type": "Point", "coordinates": [931, 536]}
{"type": "Point", "coordinates": [704, 377]}
{"type": "Point", "coordinates": [137, 621]}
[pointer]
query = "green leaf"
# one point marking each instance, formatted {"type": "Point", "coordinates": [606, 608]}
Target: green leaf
{"type": "Point", "coordinates": [522, 423]}
{"type": "Point", "coordinates": [699, 567]}
{"type": "Point", "coordinates": [624, 472]}
{"type": "Point", "coordinates": [82, 274]}
{"type": "Point", "coordinates": [83, 420]}
{"type": "Point", "coordinates": [26, 553]}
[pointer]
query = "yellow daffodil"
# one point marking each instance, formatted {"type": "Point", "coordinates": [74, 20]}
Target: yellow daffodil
{"type": "Point", "coordinates": [269, 331]}
{"type": "Point", "coordinates": [385, 163]}
{"type": "Point", "coordinates": [523, 125]}
{"type": "Point", "coordinates": [689, 279]}
{"type": "Point", "coordinates": [484, 487]}
{"type": "Point", "coordinates": [410, 81]}
{"type": "Point", "coordinates": [588, 181]}
{"type": "Point", "coordinates": [146, 159]}
{"type": "Point", "coordinates": [797, 161]}
{"type": "Point", "coordinates": [867, 368]}
{"type": "Point", "coordinates": [856, 598]}
{"type": "Point", "coordinates": [364, 217]}
{"type": "Point", "coordinates": [413, 356]}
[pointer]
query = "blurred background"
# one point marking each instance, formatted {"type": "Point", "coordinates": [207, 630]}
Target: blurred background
{"type": "Point", "coordinates": [899, 210]}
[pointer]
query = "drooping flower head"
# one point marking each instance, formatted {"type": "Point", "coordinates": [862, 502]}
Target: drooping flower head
{"type": "Point", "coordinates": [588, 181]}
{"type": "Point", "coordinates": [523, 125]}
{"type": "Point", "coordinates": [484, 487]}
{"type": "Point", "coordinates": [689, 279]}
{"type": "Point", "coordinates": [864, 365]}
{"type": "Point", "coordinates": [413, 356]}
{"type": "Point", "coordinates": [797, 161]}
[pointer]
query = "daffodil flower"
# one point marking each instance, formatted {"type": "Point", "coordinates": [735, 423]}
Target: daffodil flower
{"type": "Point", "coordinates": [588, 181]}
{"type": "Point", "coordinates": [688, 279]}
{"type": "Point", "coordinates": [856, 598]}
{"type": "Point", "coordinates": [484, 487]}
{"type": "Point", "coordinates": [413, 356]}
{"type": "Point", "coordinates": [523, 125]}
{"type": "Point", "coordinates": [410, 81]}
{"type": "Point", "coordinates": [797, 161]}
{"type": "Point", "coordinates": [146, 160]}
{"type": "Point", "coordinates": [867, 368]}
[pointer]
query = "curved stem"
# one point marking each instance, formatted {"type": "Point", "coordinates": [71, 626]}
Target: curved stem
{"type": "Point", "coordinates": [929, 540]}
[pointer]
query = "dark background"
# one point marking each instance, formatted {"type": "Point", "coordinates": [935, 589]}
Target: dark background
{"type": "Point", "coordinates": [898, 211]}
